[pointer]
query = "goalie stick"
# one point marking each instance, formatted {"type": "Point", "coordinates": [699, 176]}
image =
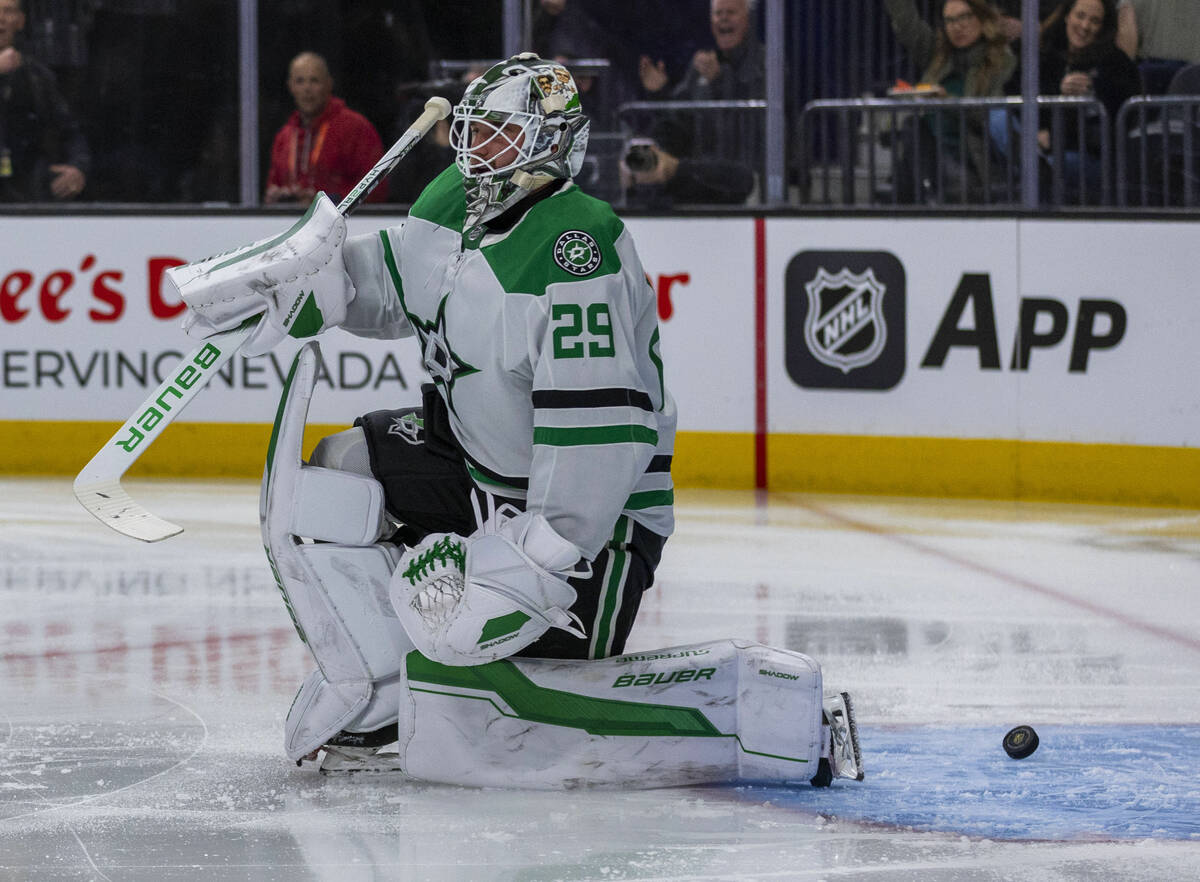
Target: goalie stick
{"type": "Point", "coordinates": [98, 486]}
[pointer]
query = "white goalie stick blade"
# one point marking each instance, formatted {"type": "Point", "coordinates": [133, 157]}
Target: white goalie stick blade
{"type": "Point", "coordinates": [98, 487]}
{"type": "Point", "coordinates": [113, 505]}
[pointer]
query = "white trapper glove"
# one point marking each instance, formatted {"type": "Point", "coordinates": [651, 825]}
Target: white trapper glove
{"type": "Point", "coordinates": [297, 279]}
{"type": "Point", "coordinates": [472, 600]}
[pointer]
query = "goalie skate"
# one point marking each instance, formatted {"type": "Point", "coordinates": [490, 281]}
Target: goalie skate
{"type": "Point", "coordinates": [841, 756]}
{"type": "Point", "coordinates": [360, 752]}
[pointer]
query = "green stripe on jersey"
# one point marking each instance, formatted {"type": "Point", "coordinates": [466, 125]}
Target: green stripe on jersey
{"type": "Point", "coordinates": [650, 499]}
{"type": "Point", "coordinates": [389, 260]}
{"type": "Point", "coordinates": [612, 590]}
{"type": "Point", "coordinates": [480, 478]}
{"type": "Point", "coordinates": [657, 359]}
{"type": "Point", "coordinates": [444, 201]}
{"type": "Point", "coordinates": [524, 260]}
{"type": "Point", "coordinates": [556, 437]}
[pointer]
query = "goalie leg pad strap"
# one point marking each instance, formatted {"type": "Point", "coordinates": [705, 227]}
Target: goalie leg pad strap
{"type": "Point", "coordinates": [337, 594]}
{"type": "Point", "coordinates": [726, 711]}
{"type": "Point", "coordinates": [335, 506]}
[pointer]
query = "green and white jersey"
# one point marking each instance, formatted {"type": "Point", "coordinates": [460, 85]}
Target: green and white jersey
{"type": "Point", "coordinates": [543, 341]}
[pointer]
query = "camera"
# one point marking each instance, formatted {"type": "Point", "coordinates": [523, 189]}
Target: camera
{"type": "Point", "coordinates": [640, 155]}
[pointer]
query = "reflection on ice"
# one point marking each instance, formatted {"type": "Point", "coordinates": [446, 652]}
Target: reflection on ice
{"type": "Point", "coordinates": [143, 689]}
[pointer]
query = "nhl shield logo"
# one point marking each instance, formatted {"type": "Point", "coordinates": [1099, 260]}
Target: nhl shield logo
{"type": "Point", "coordinates": [845, 329]}
{"type": "Point", "coordinates": [845, 326]}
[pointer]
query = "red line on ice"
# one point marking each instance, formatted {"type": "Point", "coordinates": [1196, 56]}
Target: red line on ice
{"type": "Point", "coordinates": [1018, 581]}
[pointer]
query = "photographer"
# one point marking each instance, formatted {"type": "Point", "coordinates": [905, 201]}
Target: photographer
{"type": "Point", "coordinates": [653, 178]}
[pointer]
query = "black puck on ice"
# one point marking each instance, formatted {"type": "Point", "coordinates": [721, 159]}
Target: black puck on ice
{"type": "Point", "coordinates": [1020, 742]}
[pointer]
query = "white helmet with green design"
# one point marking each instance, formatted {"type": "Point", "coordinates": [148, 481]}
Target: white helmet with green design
{"type": "Point", "coordinates": [517, 126]}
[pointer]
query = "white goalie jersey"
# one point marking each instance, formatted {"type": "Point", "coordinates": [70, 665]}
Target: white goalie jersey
{"type": "Point", "coordinates": [542, 338]}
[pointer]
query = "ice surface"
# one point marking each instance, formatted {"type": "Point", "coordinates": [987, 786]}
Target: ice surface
{"type": "Point", "coordinates": [143, 688]}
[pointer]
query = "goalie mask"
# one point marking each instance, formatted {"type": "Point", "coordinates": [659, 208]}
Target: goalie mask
{"type": "Point", "coordinates": [518, 126]}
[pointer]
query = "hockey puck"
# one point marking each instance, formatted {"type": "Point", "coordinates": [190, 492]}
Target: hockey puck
{"type": "Point", "coordinates": [1021, 742]}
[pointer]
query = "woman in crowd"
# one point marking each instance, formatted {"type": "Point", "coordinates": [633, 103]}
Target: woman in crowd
{"type": "Point", "coordinates": [1079, 56]}
{"type": "Point", "coordinates": [967, 56]}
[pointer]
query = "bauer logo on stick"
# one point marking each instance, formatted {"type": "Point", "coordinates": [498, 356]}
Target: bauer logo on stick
{"type": "Point", "coordinates": [577, 252]}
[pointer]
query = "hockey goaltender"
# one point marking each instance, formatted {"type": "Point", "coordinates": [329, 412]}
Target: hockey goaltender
{"type": "Point", "coordinates": [466, 573]}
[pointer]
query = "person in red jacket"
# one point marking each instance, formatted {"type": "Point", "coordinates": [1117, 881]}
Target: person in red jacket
{"type": "Point", "coordinates": [324, 145]}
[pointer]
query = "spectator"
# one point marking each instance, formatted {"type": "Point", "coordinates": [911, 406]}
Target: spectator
{"type": "Point", "coordinates": [1163, 35]}
{"type": "Point", "coordinates": [324, 145]}
{"type": "Point", "coordinates": [733, 68]}
{"type": "Point", "coordinates": [294, 23]}
{"type": "Point", "coordinates": [1011, 11]}
{"type": "Point", "coordinates": [968, 56]}
{"type": "Point", "coordinates": [43, 154]}
{"type": "Point", "coordinates": [1079, 56]}
{"type": "Point", "coordinates": [657, 180]}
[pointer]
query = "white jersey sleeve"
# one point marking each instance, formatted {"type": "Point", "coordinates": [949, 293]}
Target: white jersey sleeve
{"type": "Point", "coordinates": [375, 310]}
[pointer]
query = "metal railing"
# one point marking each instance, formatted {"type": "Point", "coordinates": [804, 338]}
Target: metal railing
{"type": "Point", "coordinates": [846, 48]}
{"type": "Point", "coordinates": [1158, 152]}
{"type": "Point", "coordinates": [957, 152]}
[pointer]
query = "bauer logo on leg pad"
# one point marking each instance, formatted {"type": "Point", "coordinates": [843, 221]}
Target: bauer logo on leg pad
{"type": "Point", "coordinates": [662, 678]}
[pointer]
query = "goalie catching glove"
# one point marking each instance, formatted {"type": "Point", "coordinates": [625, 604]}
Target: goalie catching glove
{"type": "Point", "coordinates": [472, 600]}
{"type": "Point", "coordinates": [298, 280]}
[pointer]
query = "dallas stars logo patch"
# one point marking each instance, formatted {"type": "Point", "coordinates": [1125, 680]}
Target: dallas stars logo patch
{"type": "Point", "coordinates": [577, 252]}
{"type": "Point", "coordinates": [407, 428]}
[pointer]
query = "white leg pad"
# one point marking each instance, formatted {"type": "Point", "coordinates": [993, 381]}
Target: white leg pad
{"type": "Point", "coordinates": [337, 589]}
{"type": "Point", "coordinates": [727, 711]}
{"type": "Point", "coordinates": [320, 710]}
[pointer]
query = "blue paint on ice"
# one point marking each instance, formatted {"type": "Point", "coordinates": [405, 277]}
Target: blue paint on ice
{"type": "Point", "coordinates": [1082, 783]}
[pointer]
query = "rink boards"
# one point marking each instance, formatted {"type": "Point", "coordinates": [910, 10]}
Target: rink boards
{"type": "Point", "coordinates": [1004, 357]}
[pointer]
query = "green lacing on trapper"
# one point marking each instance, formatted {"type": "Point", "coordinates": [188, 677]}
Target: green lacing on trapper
{"type": "Point", "coordinates": [445, 550]}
